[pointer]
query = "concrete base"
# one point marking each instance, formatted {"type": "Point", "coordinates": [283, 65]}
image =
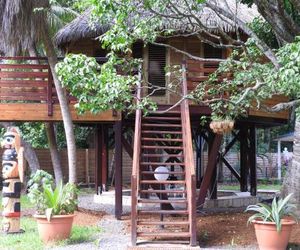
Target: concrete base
{"type": "Point", "coordinates": [239, 199]}
{"type": "Point", "coordinates": [162, 245]}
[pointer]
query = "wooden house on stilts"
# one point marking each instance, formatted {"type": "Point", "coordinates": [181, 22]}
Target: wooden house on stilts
{"type": "Point", "coordinates": [169, 181]}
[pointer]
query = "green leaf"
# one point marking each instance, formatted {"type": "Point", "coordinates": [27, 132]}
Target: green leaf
{"type": "Point", "coordinates": [48, 213]}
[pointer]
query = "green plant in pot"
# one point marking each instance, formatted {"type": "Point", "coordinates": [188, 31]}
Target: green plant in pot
{"type": "Point", "coordinates": [55, 206]}
{"type": "Point", "coordinates": [273, 223]}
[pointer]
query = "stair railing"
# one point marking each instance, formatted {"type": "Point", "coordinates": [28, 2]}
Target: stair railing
{"type": "Point", "coordinates": [136, 164]}
{"type": "Point", "coordinates": [188, 158]}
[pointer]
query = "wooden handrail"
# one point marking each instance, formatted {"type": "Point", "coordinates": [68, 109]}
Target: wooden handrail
{"type": "Point", "coordinates": [186, 126]}
{"type": "Point", "coordinates": [136, 163]}
{"type": "Point", "coordinates": [20, 58]}
{"type": "Point", "coordinates": [137, 132]}
{"type": "Point", "coordinates": [188, 158]}
{"type": "Point", "coordinates": [30, 58]}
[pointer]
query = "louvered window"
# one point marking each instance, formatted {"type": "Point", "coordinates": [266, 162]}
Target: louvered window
{"type": "Point", "coordinates": [156, 70]}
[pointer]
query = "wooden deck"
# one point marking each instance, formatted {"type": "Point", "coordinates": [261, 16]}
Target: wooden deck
{"type": "Point", "coordinates": [27, 93]}
{"type": "Point", "coordinates": [32, 112]}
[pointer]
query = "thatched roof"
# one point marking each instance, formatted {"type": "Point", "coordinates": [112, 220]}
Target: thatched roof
{"type": "Point", "coordinates": [80, 27]}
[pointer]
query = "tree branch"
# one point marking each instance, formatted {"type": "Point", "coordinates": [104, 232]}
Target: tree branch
{"type": "Point", "coordinates": [261, 44]}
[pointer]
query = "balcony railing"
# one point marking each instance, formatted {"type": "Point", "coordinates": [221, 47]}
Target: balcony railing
{"type": "Point", "coordinates": [29, 80]}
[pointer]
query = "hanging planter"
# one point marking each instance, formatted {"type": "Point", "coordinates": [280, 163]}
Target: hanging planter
{"type": "Point", "coordinates": [222, 127]}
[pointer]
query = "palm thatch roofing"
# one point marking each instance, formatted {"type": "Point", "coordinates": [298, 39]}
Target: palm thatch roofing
{"type": "Point", "coordinates": [81, 28]}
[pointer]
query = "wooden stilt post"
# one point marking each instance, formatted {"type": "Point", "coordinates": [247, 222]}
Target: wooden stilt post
{"type": "Point", "coordinates": [98, 173]}
{"type": "Point", "coordinates": [213, 182]}
{"type": "Point", "coordinates": [198, 140]}
{"type": "Point", "coordinates": [104, 157]}
{"type": "Point", "coordinates": [118, 169]}
{"type": "Point", "coordinates": [252, 161]}
{"type": "Point", "coordinates": [212, 161]}
{"type": "Point", "coordinates": [244, 159]}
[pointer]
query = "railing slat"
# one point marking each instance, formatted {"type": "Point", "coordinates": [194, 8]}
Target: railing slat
{"type": "Point", "coordinates": [23, 66]}
{"type": "Point", "coordinates": [18, 74]}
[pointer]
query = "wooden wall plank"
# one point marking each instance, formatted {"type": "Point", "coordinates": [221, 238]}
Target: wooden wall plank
{"type": "Point", "coordinates": [39, 112]}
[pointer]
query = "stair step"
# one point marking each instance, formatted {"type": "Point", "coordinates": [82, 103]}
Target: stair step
{"type": "Point", "coordinates": [171, 172]}
{"type": "Point", "coordinates": [161, 125]}
{"type": "Point", "coordinates": [161, 147]}
{"type": "Point", "coordinates": [163, 118]}
{"type": "Point", "coordinates": [160, 111]}
{"type": "Point", "coordinates": [163, 212]}
{"type": "Point", "coordinates": [164, 234]}
{"type": "Point", "coordinates": [163, 155]}
{"type": "Point", "coordinates": [161, 182]}
{"type": "Point", "coordinates": [163, 163]}
{"type": "Point", "coordinates": [149, 191]}
{"type": "Point", "coordinates": [184, 201]}
{"type": "Point", "coordinates": [171, 223]}
{"type": "Point", "coordinates": [161, 139]}
{"type": "Point", "coordinates": [161, 132]}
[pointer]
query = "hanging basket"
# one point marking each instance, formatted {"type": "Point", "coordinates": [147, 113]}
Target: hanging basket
{"type": "Point", "coordinates": [221, 127]}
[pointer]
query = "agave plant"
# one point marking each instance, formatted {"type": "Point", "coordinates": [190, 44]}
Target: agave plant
{"type": "Point", "coordinates": [274, 213]}
{"type": "Point", "coordinates": [61, 200]}
{"type": "Point", "coordinates": [49, 200]}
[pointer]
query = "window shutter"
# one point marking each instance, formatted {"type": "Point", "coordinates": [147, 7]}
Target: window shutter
{"type": "Point", "coordinates": [156, 68]}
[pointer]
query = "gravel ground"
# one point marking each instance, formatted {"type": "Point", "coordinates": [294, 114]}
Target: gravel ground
{"type": "Point", "coordinates": [104, 203]}
{"type": "Point", "coordinates": [112, 238]}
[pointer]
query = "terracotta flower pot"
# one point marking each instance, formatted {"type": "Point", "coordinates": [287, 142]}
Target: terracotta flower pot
{"type": "Point", "coordinates": [58, 228]}
{"type": "Point", "coordinates": [267, 236]}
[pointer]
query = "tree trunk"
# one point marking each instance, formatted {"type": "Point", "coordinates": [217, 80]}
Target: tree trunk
{"type": "Point", "coordinates": [66, 115]}
{"type": "Point", "coordinates": [29, 152]}
{"type": "Point", "coordinates": [54, 152]}
{"type": "Point", "coordinates": [49, 127]}
{"type": "Point", "coordinates": [291, 183]}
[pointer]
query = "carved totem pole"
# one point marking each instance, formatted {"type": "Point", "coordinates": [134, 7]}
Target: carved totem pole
{"type": "Point", "coordinates": [13, 176]}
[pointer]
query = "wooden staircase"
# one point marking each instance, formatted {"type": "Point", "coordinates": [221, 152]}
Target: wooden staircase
{"type": "Point", "coordinates": [164, 209]}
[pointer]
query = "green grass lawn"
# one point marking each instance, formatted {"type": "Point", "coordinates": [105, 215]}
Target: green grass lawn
{"type": "Point", "coordinates": [29, 240]}
{"type": "Point", "coordinates": [260, 186]}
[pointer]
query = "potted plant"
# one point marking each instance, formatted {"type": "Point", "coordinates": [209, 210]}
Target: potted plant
{"type": "Point", "coordinates": [55, 206]}
{"type": "Point", "coordinates": [273, 223]}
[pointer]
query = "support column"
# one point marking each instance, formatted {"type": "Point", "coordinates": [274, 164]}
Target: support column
{"type": "Point", "coordinates": [244, 159]}
{"type": "Point", "coordinates": [104, 156]}
{"type": "Point", "coordinates": [118, 169]}
{"type": "Point", "coordinates": [252, 160]}
{"type": "Point", "coordinates": [98, 173]}
{"type": "Point", "coordinates": [198, 159]}
{"type": "Point", "coordinates": [279, 159]}
{"type": "Point", "coordinates": [213, 182]}
{"type": "Point", "coordinates": [211, 165]}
